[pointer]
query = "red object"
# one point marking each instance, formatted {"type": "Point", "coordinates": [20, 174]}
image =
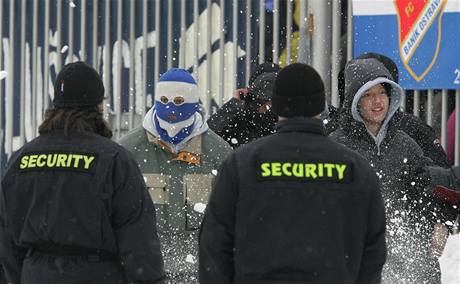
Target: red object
{"type": "Point", "coordinates": [450, 196]}
{"type": "Point", "coordinates": [409, 12]}
{"type": "Point", "coordinates": [450, 138]}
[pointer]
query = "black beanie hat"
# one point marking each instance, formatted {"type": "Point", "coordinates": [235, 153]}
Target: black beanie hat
{"type": "Point", "coordinates": [298, 91]}
{"type": "Point", "coordinates": [77, 85]}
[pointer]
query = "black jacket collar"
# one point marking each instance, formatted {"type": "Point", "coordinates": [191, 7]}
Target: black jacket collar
{"type": "Point", "coordinates": [301, 124]}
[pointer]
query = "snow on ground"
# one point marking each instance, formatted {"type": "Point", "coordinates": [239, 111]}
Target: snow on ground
{"type": "Point", "coordinates": [450, 261]}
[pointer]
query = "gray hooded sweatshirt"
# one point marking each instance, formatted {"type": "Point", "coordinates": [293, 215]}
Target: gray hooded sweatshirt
{"type": "Point", "coordinates": [397, 160]}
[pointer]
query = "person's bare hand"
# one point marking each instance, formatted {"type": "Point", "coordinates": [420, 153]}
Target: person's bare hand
{"type": "Point", "coordinates": [239, 94]}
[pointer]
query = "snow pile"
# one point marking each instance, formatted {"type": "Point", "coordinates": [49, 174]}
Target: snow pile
{"type": "Point", "coordinates": [450, 261]}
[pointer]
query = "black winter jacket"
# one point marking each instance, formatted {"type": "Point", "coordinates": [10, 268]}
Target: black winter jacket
{"type": "Point", "coordinates": [83, 195]}
{"type": "Point", "coordinates": [239, 121]}
{"type": "Point", "coordinates": [398, 161]}
{"type": "Point", "coordinates": [277, 216]}
{"type": "Point", "coordinates": [413, 126]}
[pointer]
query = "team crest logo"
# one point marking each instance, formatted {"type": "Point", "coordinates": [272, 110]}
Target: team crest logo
{"type": "Point", "coordinates": [419, 23]}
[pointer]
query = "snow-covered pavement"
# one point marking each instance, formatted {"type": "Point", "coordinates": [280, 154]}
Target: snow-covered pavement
{"type": "Point", "coordinates": [450, 261]}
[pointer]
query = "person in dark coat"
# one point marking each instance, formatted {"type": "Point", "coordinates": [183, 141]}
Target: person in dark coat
{"type": "Point", "coordinates": [248, 115]}
{"type": "Point", "coordinates": [294, 206]}
{"type": "Point", "coordinates": [445, 184]}
{"type": "Point", "coordinates": [371, 99]}
{"type": "Point", "coordinates": [74, 207]}
{"type": "Point", "coordinates": [422, 133]}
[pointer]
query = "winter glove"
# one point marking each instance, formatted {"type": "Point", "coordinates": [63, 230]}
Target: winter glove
{"type": "Point", "coordinates": [445, 184]}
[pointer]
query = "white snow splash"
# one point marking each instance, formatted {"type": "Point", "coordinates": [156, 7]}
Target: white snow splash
{"type": "Point", "coordinates": [64, 48]}
{"type": "Point", "coordinates": [214, 172]}
{"type": "Point", "coordinates": [190, 259]}
{"type": "Point", "coordinates": [72, 4]}
{"type": "Point", "coordinates": [199, 207]}
{"type": "Point", "coordinates": [3, 74]}
{"type": "Point", "coordinates": [234, 141]}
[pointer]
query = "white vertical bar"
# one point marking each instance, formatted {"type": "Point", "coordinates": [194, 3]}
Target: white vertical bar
{"type": "Point", "coordinates": [196, 24]}
{"type": "Point", "coordinates": [220, 95]}
{"type": "Point", "coordinates": [183, 42]}
{"type": "Point", "coordinates": [288, 31]}
{"type": "Point", "coordinates": [70, 50]}
{"type": "Point", "coordinates": [35, 106]}
{"type": "Point", "coordinates": [444, 119]}
{"type": "Point", "coordinates": [429, 108]}
{"type": "Point", "coordinates": [322, 40]}
{"type": "Point", "coordinates": [235, 41]}
{"type": "Point", "coordinates": [248, 40]}
{"type": "Point", "coordinates": [83, 31]}
{"type": "Point", "coordinates": [208, 56]}
{"type": "Point", "coordinates": [276, 28]}
{"type": "Point", "coordinates": [417, 103]}
{"type": "Point", "coordinates": [170, 35]}
{"type": "Point", "coordinates": [336, 54]}
{"type": "Point", "coordinates": [46, 64]}
{"type": "Point", "coordinates": [457, 127]}
{"type": "Point", "coordinates": [22, 82]}
{"type": "Point", "coordinates": [350, 30]}
{"type": "Point", "coordinates": [144, 55]}
{"type": "Point", "coordinates": [107, 57]}
{"type": "Point", "coordinates": [132, 44]}
{"type": "Point", "coordinates": [9, 118]}
{"type": "Point", "coordinates": [261, 31]}
{"type": "Point", "coordinates": [2, 132]}
{"type": "Point", "coordinates": [95, 33]}
{"type": "Point", "coordinates": [119, 60]}
{"type": "Point", "coordinates": [403, 101]}
{"type": "Point", "coordinates": [58, 60]}
{"type": "Point", "coordinates": [304, 43]}
{"type": "Point", "coordinates": [157, 43]}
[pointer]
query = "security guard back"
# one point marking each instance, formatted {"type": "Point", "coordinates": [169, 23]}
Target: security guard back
{"type": "Point", "coordinates": [294, 207]}
{"type": "Point", "coordinates": [74, 207]}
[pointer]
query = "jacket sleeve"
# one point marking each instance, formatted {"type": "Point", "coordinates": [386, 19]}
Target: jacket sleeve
{"type": "Point", "coordinates": [374, 254]}
{"type": "Point", "coordinates": [421, 189]}
{"type": "Point", "coordinates": [11, 255]}
{"type": "Point", "coordinates": [134, 224]}
{"type": "Point", "coordinates": [425, 136]}
{"type": "Point", "coordinates": [217, 230]}
{"type": "Point", "coordinates": [221, 122]}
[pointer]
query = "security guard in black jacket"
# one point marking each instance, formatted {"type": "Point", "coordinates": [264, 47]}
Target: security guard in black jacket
{"type": "Point", "coordinates": [73, 204]}
{"type": "Point", "coordinates": [294, 206]}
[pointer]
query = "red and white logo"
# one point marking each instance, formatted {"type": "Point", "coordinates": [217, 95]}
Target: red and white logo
{"type": "Point", "coordinates": [420, 26]}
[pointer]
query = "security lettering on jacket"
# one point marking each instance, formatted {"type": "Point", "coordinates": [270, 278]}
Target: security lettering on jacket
{"type": "Point", "coordinates": [305, 170]}
{"type": "Point", "coordinates": [62, 160]}
{"type": "Point", "coordinates": [300, 187]}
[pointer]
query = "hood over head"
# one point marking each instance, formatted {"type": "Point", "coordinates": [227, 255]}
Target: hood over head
{"type": "Point", "coordinates": [361, 75]}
